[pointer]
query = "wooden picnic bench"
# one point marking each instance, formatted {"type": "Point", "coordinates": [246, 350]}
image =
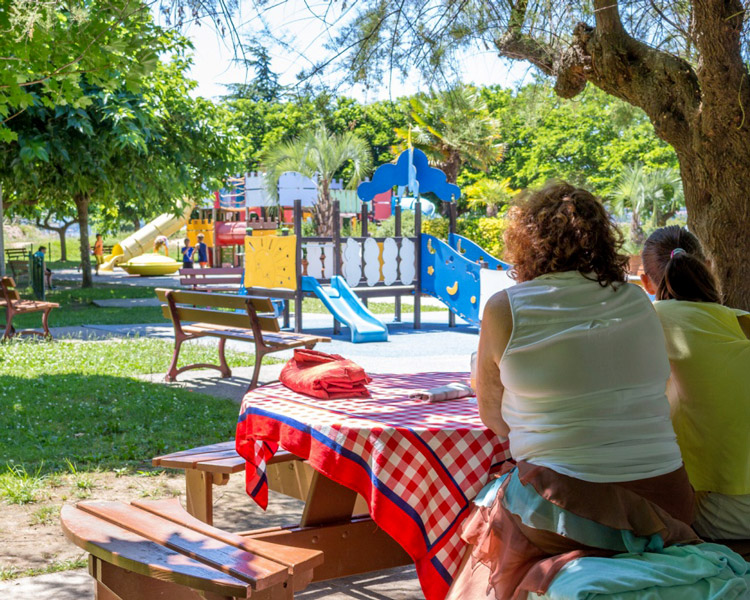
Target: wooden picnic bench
{"type": "Point", "coordinates": [218, 279]}
{"type": "Point", "coordinates": [149, 550]}
{"type": "Point", "coordinates": [227, 317]}
{"type": "Point", "coordinates": [15, 305]}
{"type": "Point", "coordinates": [211, 465]}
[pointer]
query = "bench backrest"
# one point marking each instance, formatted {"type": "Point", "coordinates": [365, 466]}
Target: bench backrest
{"type": "Point", "coordinates": [10, 292]}
{"type": "Point", "coordinates": [218, 309]}
{"type": "Point", "coordinates": [213, 276]}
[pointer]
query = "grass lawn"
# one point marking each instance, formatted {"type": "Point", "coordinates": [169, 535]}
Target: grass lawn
{"type": "Point", "coordinates": [79, 403]}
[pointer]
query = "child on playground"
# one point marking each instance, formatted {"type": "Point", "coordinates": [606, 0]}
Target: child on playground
{"type": "Point", "coordinates": [98, 252]}
{"type": "Point", "coordinates": [202, 252]}
{"type": "Point", "coordinates": [187, 254]}
{"type": "Point", "coordinates": [709, 391]}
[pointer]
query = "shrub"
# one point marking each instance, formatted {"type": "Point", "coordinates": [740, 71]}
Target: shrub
{"type": "Point", "coordinates": [485, 231]}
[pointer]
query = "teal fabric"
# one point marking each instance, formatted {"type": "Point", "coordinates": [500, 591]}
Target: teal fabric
{"type": "Point", "coordinates": [699, 572]}
{"type": "Point", "coordinates": [536, 512]}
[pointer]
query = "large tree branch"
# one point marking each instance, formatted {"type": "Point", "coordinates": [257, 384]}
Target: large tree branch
{"type": "Point", "coordinates": [663, 85]}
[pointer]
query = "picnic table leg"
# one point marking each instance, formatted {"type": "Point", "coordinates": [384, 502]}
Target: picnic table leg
{"type": "Point", "coordinates": [327, 502]}
{"type": "Point", "coordinates": [223, 366]}
{"type": "Point", "coordinates": [45, 322]}
{"type": "Point", "coordinates": [199, 495]}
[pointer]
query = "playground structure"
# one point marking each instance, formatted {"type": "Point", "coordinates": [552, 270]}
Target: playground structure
{"type": "Point", "coordinates": [142, 241]}
{"type": "Point", "coordinates": [345, 273]}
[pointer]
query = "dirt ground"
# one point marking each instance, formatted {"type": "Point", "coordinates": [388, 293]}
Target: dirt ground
{"type": "Point", "coordinates": [31, 537]}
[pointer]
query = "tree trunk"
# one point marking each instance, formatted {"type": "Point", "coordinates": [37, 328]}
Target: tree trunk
{"type": "Point", "coordinates": [718, 206]}
{"type": "Point", "coordinates": [323, 212]}
{"type": "Point", "coordinates": [82, 214]}
{"type": "Point", "coordinates": [136, 223]}
{"type": "Point", "coordinates": [636, 231]}
{"type": "Point", "coordinates": [61, 231]}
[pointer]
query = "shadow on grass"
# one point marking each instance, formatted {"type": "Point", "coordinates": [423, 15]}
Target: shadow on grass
{"type": "Point", "coordinates": [103, 421]}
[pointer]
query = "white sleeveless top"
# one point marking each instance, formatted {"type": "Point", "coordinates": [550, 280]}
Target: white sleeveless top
{"type": "Point", "coordinates": [585, 375]}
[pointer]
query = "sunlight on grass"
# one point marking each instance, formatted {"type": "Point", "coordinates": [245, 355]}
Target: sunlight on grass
{"type": "Point", "coordinates": [18, 486]}
{"type": "Point", "coordinates": [82, 403]}
{"type": "Point", "coordinates": [8, 573]}
{"type": "Point", "coordinates": [45, 515]}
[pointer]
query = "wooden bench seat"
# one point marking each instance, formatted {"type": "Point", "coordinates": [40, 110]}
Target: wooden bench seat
{"type": "Point", "coordinates": [15, 305]}
{"type": "Point", "coordinates": [224, 316]}
{"type": "Point", "coordinates": [207, 466]}
{"type": "Point", "coordinates": [149, 550]}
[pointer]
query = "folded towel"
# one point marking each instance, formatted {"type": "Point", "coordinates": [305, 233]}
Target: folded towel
{"type": "Point", "coordinates": [452, 391]}
{"type": "Point", "coordinates": [326, 376]}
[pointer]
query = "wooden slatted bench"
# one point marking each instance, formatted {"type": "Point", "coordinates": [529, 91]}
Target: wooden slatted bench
{"type": "Point", "coordinates": [216, 279]}
{"type": "Point", "coordinates": [149, 550]}
{"type": "Point", "coordinates": [15, 305]}
{"type": "Point", "coordinates": [207, 466]}
{"type": "Point", "coordinates": [243, 318]}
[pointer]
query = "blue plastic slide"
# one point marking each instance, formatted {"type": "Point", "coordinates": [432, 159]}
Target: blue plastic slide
{"type": "Point", "coordinates": [348, 308]}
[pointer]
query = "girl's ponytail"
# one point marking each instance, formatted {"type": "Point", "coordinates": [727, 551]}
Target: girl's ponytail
{"type": "Point", "coordinates": [674, 260]}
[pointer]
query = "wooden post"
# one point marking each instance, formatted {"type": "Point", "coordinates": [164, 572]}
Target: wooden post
{"type": "Point", "coordinates": [364, 219]}
{"type": "Point", "coordinates": [298, 266]}
{"type": "Point", "coordinates": [452, 229]}
{"type": "Point", "coordinates": [397, 299]}
{"type": "Point", "coordinates": [336, 252]}
{"type": "Point", "coordinates": [418, 258]}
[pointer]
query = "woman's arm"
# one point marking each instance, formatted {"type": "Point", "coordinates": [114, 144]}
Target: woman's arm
{"type": "Point", "coordinates": [497, 325]}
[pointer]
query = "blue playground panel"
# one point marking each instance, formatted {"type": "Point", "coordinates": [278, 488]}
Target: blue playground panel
{"type": "Point", "coordinates": [474, 252]}
{"type": "Point", "coordinates": [450, 277]}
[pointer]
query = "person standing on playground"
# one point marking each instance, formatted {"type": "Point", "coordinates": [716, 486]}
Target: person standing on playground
{"type": "Point", "coordinates": [187, 254]}
{"type": "Point", "coordinates": [202, 252]}
{"type": "Point", "coordinates": [98, 252]}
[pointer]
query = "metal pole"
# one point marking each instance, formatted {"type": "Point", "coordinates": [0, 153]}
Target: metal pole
{"type": "Point", "coordinates": [336, 253]}
{"type": "Point", "coordinates": [2, 235]}
{"type": "Point", "coordinates": [397, 299]}
{"type": "Point", "coordinates": [452, 229]}
{"type": "Point", "coordinates": [298, 266]}
{"type": "Point", "coordinates": [418, 257]}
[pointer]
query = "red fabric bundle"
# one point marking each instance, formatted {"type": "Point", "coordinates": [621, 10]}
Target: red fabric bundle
{"type": "Point", "coordinates": [326, 376]}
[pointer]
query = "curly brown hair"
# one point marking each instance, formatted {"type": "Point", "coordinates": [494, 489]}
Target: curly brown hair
{"type": "Point", "coordinates": [563, 228]}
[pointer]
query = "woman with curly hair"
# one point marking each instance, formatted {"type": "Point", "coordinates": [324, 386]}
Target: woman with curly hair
{"type": "Point", "coordinates": [709, 392]}
{"type": "Point", "coordinates": [572, 368]}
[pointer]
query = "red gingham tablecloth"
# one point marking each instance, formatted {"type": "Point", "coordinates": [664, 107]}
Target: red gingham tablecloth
{"type": "Point", "coordinates": [418, 465]}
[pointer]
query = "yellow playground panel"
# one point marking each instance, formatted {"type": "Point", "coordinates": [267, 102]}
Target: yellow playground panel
{"type": "Point", "coordinates": [269, 262]}
{"type": "Point", "coordinates": [204, 226]}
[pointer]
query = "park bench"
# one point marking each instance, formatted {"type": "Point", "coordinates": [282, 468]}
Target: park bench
{"type": "Point", "coordinates": [15, 305]}
{"type": "Point", "coordinates": [223, 279]}
{"type": "Point", "coordinates": [149, 550]}
{"type": "Point", "coordinates": [211, 465]}
{"type": "Point", "coordinates": [244, 318]}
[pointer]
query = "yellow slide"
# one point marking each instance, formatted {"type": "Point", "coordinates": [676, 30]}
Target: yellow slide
{"type": "Point", "coordinates": [143, 240]}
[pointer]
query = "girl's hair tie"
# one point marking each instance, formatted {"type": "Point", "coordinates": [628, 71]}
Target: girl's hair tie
{"type": "Point", "coordinates": [677, 251]}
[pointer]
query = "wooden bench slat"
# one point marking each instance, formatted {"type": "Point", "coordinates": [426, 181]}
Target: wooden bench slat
{"type": "Point", "coordinates": [258, 571]}
{"type": "Point", "coordinates": [220, 447]}
{"type": "Point", "coordinates": [226, 319]}
{"type": "Point", "coordinates": [296, 558]}
{"type": "Point", "coordinates": [214, 300]}
{"type": "Point", "coordinates": [212, 271]}
{"type": "Point", "coordinates": [135, 553]}
{"type": "Point", "coordinates": [211, 280]}
{"type": "Point", "coordinates": [189, 462]}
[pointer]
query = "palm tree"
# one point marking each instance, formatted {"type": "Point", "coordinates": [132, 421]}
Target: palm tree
{"type": "Point", "coordinates": [454, 128]}
{"type": "Point", "coordinates": [320, 154]}
{"type": "Point", "coordinates": [657, 194]}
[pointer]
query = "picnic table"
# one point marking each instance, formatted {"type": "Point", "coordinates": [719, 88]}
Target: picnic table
{"type": "Point", "coordinates": [417, 466]}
